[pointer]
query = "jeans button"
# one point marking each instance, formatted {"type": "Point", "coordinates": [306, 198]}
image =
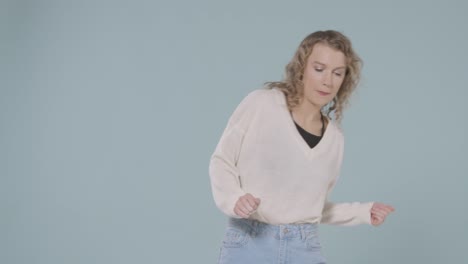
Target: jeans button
{"type": "Point", "coordinates": [285, 231]}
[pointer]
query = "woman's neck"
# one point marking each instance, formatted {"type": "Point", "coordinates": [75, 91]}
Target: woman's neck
{"type": "Point", "coordinates": [307, 114]}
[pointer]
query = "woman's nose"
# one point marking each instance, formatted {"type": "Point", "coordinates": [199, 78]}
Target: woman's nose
{"type": "Point", "coordinates": [327, 79]}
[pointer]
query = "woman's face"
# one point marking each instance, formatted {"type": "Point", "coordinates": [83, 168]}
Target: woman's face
{"type": "Point", "coordinates": [323, 74]}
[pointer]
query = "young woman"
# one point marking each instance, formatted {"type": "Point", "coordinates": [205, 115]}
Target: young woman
{"type": "Point", "coordinates": [280, 156]}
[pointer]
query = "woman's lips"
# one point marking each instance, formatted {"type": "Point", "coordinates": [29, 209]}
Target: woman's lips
{"type": "Point", "coordinates": [323, 93]}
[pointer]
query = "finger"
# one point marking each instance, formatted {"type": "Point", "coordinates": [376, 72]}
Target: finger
{"type": "Point", "coordinates": [251, 201]}
{"type": "Point", "coordinates": [240, 213]}
{"type": "Point", "coordinates": [379, 214]}
{"type": "Point", "coordinates": [245, 207]}
{"type": "Point", "coordinates": [246, 204]}
{"type": "Point", "coordinates": [240, 206]}
{"type": "Point", "coordinates": [386, 207]}
{"type": "Point", "coordinates": [384, 210]}
{"type": "Point", "coordinates": [381, 211]}
{"type": "Point", "coordinates": [378, 220]}
{"type": "Point", "coordinates": [375, 221]}
{"type": "Point", "coordinates": [257, 200]}
{"type": "Point", "coordinates": [381, 218]}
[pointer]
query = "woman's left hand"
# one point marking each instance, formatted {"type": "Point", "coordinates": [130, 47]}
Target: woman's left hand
{"type": "Point", "coordinates": [378, 213]}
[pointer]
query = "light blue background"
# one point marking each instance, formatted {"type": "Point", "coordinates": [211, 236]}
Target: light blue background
{"type": "Point", "coordinates": [110, 111]}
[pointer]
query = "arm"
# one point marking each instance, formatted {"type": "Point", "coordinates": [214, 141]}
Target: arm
{"type": "Point", "coordinates": [345, 214]}
{"type": "Point", "coordinates": [224, 174]}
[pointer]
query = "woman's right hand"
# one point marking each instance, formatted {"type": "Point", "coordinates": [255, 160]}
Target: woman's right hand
{"type": "Point", "coordinates": [246, 205]}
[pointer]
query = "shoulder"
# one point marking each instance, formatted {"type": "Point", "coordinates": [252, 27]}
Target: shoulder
{"type": "Point", "coordinates": [337, 128]}
{"type": "Point", "coordinates": [251, 106]}
{"type": "Point", "coordinates": [259, 98]}
{"type": "Point", "coordinates": [251, 103]}
{"type": "Point", "coordinates": [262, 94]}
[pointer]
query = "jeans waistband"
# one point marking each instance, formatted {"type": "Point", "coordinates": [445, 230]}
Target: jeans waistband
{"type": "Point", "coordinates": [282, 230]}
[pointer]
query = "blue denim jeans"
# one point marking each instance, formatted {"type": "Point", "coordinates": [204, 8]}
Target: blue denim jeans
{"type": "Point", "coordinates": [250, 241]}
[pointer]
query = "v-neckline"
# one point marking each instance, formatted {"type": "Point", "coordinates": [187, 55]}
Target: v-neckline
{"type": "Point", "coordinates": [300, 141]}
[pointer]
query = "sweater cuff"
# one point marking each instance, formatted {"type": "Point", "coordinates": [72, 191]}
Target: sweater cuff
{"type": "Point", "coordinates": [365, 212]}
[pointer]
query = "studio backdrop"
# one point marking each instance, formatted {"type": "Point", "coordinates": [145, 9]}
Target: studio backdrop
{"type": "Point", "coordinates": [110, 111]}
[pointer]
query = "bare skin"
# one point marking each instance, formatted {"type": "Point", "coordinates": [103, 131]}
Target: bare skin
{"type": "Point", "coordinates": [246, 205]}
{"type": "Point", "coordinates": [379, 212]}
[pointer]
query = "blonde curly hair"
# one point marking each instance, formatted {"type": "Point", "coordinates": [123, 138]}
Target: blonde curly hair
{"type": "Point", "coordinates": [293, 87]}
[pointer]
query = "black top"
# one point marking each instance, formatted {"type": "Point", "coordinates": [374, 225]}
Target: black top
{"type": "Point", "coordinates": [311, 139]}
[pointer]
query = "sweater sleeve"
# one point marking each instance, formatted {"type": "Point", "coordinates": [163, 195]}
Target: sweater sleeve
{"type": "Point", "coordinates": [223, 171]}
{"type": "Point", "coordinates": [346, 214]}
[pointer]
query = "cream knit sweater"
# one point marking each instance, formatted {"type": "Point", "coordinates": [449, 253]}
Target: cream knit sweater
{"type": "Point", "coordinates": [262, 153]}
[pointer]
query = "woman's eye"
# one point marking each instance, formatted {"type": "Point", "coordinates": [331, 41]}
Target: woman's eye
{"type": "Point", "coordinates": [318, 70]}
{"type": "Point", "coordinates": [338, 74]}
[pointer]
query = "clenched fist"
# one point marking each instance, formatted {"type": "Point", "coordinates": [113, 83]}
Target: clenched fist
{"type": "Point", "coordinates": [378, 213]}
{"type": "Point", "coordinates": [246, 205]}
